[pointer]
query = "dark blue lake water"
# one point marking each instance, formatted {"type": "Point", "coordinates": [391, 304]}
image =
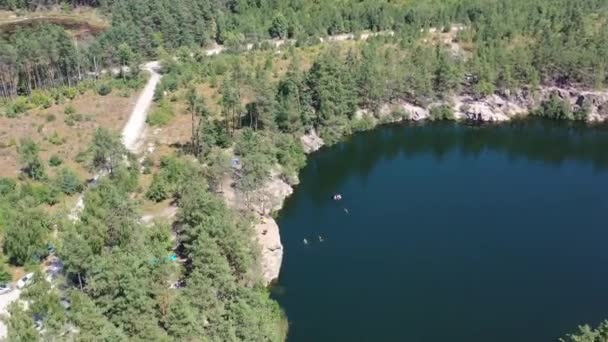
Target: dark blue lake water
{"type": "Point", "coordinates": [453, 233]}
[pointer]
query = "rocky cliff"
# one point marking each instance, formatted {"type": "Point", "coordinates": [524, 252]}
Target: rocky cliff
{"type": "Point", "coordinates": [498, 108]}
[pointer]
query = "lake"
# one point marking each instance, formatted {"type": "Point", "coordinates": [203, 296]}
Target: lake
{"type": "Point", "coordinates": [449, 232]}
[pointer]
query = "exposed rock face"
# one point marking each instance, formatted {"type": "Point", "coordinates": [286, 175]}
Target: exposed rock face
{"type": "Point", "coordinates": [490, 109]}
{"type": "Point", "coordinates": [269, 238]}
{"type": "Point", "coordinates": [311, 142]}
{"type": "Point", "coordinates": [270, 197]}
{"type": "Point", "coordinates": [595, 101]}
{"type": "Point", "coordinates": [499, 108]}
{"type": "Point", "coordinates": [263, 202]}
{"type": "Point", "coordinates": [416, 113]}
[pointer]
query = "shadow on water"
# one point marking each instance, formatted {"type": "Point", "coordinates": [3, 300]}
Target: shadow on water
{"type": "Point", "coordinates": [536, 140]}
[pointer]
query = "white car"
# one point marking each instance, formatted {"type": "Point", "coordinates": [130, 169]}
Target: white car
{"type": "Point", "coordinates": [5, 288]}
{"type": "Point", "coordinates": [25, 281]}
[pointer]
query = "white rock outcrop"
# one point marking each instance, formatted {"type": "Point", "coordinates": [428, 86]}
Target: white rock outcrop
{"type": "Point", "coordinates": [311, 142]}
{"type": "Point", "coordinates": [269, 239]}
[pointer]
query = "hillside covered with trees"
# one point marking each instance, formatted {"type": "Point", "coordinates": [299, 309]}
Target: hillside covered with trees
{"type": "Point", "coordinates": [543, 41]}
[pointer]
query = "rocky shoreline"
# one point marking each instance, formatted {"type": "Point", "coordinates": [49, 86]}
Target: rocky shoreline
{"type": "Point", "coordinates": [500, 108]}
{"type": "Point", "coordinates": [494, 108]}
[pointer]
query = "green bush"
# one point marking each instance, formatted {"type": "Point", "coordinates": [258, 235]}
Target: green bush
{"type": "Point", "coordinates": [147, 164]}
{"type": "Point", "coordinates": [18, 106]}
{"type": "Point", "coordinates": [364, 124]}
{"type": "Point", "coordinates": [5, 276]}
{"type": "Point", "coordinates": [170, 82]}
{"type": "Point", "coordinates": [334, 130]}
{"type": "Point", "coordinates": [399, 114]}
{"type": "Point", "coordinates": [40, 99]}
{"type": "Point", "coordinates": [68, 182]}
{"type": "Point", "coordinates": [161, 115]}
{"type": "Point", "coordinates": [41, 193]}
{"type": "Point", "coordinates": [81, 157]}
{"type": "Point", "coordinates": [83, 86]}
{"type": "Point", "coordinates": [50, 117]}
{"type": "Point", "coordinates": [78, 117]}
{"type": "Point", "coordinates": [290, 152]}
{"type": "Point", "coordinates": [55, 139]}
{"type": "Point", "coordinates": [7, 185]}
{"type": "Point", "coordinates": [443, 112]}
{"type": "Point", "coordinates": [69, 110]}
{"type": "Point", "coordinates": [69, 120]}
{"type": "Point", "coordinates": [70, 92]}
{"type": "Point", "coordinates": [582, 113]}
{"type": "Point", "coordinates": [159, 189]}
{"type": "Point", "coordinates": [555, 109]}
{"type": "Point", "coordinates": [104, 89]}
{"type": "Point", "coordinates": [55, 160]}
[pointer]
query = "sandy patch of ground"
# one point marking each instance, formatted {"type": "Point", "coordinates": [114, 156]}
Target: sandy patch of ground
{"type": "Point", "coordinates": [43, 125]}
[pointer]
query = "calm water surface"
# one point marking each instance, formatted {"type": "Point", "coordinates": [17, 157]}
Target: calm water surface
{"type": "Point", "coordinates": [453, 233]}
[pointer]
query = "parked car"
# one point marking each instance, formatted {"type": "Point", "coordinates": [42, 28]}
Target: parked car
{"type": "Point", "coordinates": [25, 281]}
{"type": "Point", "coordinates": [5, 288]}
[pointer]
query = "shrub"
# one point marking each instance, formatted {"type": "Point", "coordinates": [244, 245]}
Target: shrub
{"type": "Point", "coordinates": [50, 117]}
{"type": "Point", "coordinates": [5, 276]}
{"type": "Point", "coordinates": [41, 193]}
{"type": "Point", "coordinates": [81, 157]}
{"type": "Point", "coordinates": [104, 89]}
{"type": "Point", "coordinates": [556, 109]}
{"type": "Point", "coordinates": [290, 152]}
{"type": "Point", "coordinates": [169, 82]}
{"type": "Point", "coordinates": [582, 112]}
{"type": "Point", "coordinates": [55, 160]}
{"type": "Point", "coordinates": [18, 106]}
{"type": "Point", "coordinates": [55, 139]}
{"type": "Point", "coordinates": [7, 185]}
{"type": "Point", "coordinates": [70, 92]}
{"type": "Point", "coordinates": [68, 182]}
{"type": "Point", "coordinates": [443, 112]}
{"type": "Point", "coordinates": [364, 124]}
{"type": "Point", "coordinates": [159, 189]}
{"type": "Point", "coordinates": [78, 117]}
{"type": "Point", "coordinates": [334, 130]}
{"type": "Point", "coordinates": [69, 110]}
{"type": "Point", "coordinates": [69, 120]}
{"type": "Point", "coordinates": [40, 99]}
{"type": "Point", "coordinates": [161, 115]}
{"type": "Point", "coordinates": [399, 114]}
{"type": "Point", "coordinates": [82, 87]}
{"type": "Point", "coordinates": [147, 164]}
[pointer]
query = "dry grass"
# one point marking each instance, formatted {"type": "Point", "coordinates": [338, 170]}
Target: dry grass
{"type": "Point", "coordinates": [42, 125]}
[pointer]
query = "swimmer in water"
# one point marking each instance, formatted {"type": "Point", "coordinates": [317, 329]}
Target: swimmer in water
{"type": "Point", "coordinates": [321, 238]}
{"type": "Point", "coordinates": [305, 242]}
